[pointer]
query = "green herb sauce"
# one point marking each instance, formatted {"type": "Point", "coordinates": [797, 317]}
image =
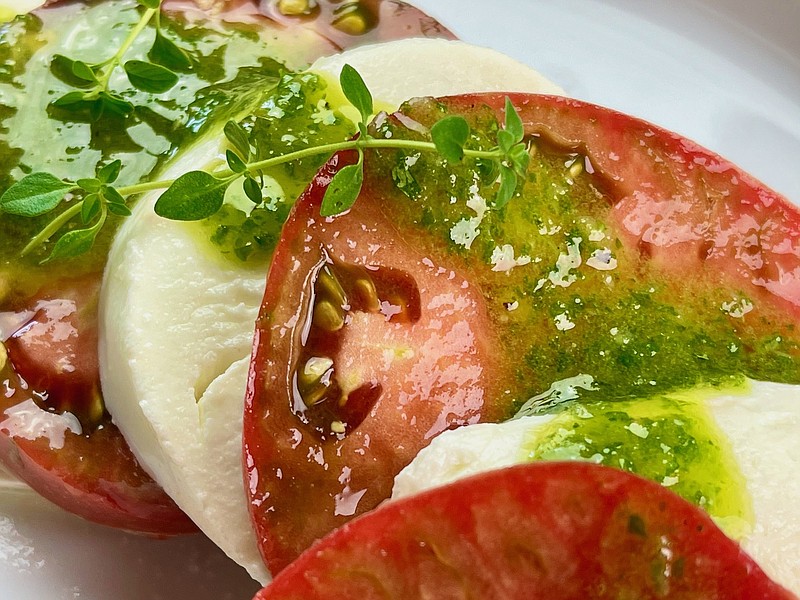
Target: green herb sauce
{"type": "Point", "coordinates": [294, 115]}
{"type": "Point", "coordinates": [671, 439]}
{"type": "Point", "coordinates": [565, 295]}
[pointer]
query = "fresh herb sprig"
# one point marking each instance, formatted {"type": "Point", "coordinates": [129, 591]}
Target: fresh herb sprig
{"type": "Point", "coordinates": [92, 80]}
{"type": "Point", "coordinates": [198, 195]}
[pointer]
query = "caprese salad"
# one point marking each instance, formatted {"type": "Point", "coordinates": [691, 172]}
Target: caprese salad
{"type": "Point", "coordinates": [278, 302]}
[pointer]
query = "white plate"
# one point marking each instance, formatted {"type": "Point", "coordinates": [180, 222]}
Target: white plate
{"type": "Point", "coordinates": [725, 73]}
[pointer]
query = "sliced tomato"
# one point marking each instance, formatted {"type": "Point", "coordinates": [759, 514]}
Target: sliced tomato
{"type": "Point", "coordinates": [370, 349]}
{"type": "Point", "coordinates": [377, 332]}
{"type": "Point", "coordinates": [54, 431]}
{"type": "Point", "coordinates": [554, 531]}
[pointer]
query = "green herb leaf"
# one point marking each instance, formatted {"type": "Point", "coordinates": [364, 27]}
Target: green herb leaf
{"type": "Point", "coordinates": [508, 185]}
{"type": "Point", "coordinates": [513, 124]}
{"type": "Point", "coordinates": [519, 157]}
{"type": "Point", "coordinates": [110, 103]}
{"type": "Point", "coordinates": [238, 137]}
{"type": "Point", "coordinates": [70, 99]}
{"type": "Point", "coordinates": [90, 208]}
{"type": "Point", "coordinates": [119, 209]}
{"type": "Point", "coordinates": [64, 69]}
{"type": "Point", "coordinates": [168, 54]}
{"type": "Point", "coordinates": [34, 195]}
{"type": "Point", "coordinates": [112, 195]}
{"type": "Point", "coordinates": [235, 163]}
{"type": "Point", "coordinates": [90, 185]}
{"type": "Point", "coordinates": [252, 190]}
{"type": "Point", "coordinates": [150, 3]}
{"type": "Point", "coordinates": [110, 172]}
{"type": "Point", "coordinates": [150, 77]}
{"type": "Point", "coordinates": [356, 91]}
{"type": "Point", "coordinates": [449, 135]}
{"type": "Point", "coordinates": [195, 195]}
{"type": "Point", "coordinates": [505, 141]}
{"type": "Point", "coordinates": [75, 243]}
{"type": "Point", "coordinates": [344, 188]}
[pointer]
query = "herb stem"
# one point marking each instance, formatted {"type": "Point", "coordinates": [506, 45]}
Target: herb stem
{"type": "Point", "coordinates": [140, 188]}
{"type": "Point", "coordinates": [52, 227]}
{"type": "Point", "coordinates": [362, 143]}
{"type": "Point", "coordinates": [373, 143]}
{"type": "Point", "coordinates": [115, 60]}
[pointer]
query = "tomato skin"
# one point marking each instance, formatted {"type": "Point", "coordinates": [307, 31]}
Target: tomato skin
{"type": "Point", "coordinates": [552, 530]}
{"type": "Point", "coordinates": [52, 360]}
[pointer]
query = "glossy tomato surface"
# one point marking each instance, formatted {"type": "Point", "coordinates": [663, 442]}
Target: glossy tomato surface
{"type": "Point", "coordinates": [55, 433]}
{"type": "Point", "coordinates": [416, 311]}
{"type": "Point", "coordinates": [547, 530]}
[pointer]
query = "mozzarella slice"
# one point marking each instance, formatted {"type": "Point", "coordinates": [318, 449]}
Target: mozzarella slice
{"type": "Point", "coordinates": [761, 426]}
{"type": "Point", "coordinates": [177, 322]}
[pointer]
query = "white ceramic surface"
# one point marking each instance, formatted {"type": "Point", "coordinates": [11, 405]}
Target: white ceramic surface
{"type": "Point", "coordinates": [725, 73]}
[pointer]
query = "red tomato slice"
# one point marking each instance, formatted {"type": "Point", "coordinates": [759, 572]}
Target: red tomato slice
{"type": "Point", "coordinates": [370, 340]}
{"type": "Point", "coordinates": [411, 345]}
{"type": "Point", "coordinates": [555, 531]}
{"type": "Point", "coordinates": [54, 433]}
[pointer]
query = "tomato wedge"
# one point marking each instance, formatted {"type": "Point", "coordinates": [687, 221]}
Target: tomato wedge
{"type": "Point", "coordinates": [549, 530]}
{"type": "Point", "coordinates": [427, 307]}
{"type": "Point", "coordinates": [54, 431]}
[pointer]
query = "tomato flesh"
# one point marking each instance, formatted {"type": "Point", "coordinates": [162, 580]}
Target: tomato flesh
{"type": "Point", "coordinates": [55, 434]}
{"type": "Point", "coordinates": [545, 530]}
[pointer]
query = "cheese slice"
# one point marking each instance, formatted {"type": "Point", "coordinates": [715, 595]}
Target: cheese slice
{"type": "Point", "coordinates": [177, 322]}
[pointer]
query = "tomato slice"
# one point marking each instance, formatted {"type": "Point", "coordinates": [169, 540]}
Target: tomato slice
{"type": "Point", "coordinates": [377, 331]}
{"type": "Point", "coordinates": [366, 362]}
{"type": "Point", "coordinates": [546, 530]}
{"type": "Point", "coordinates": [54, 431]}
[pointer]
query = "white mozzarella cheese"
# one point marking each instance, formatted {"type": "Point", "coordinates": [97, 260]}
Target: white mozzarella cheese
{"type": "Point", "coordinates": [761, 426]}
{"type": "Point", "coordinates": [177, 322]}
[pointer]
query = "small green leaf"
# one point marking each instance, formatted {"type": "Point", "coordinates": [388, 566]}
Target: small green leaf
{"type": "Point", "coordinates": [71, 99]}
{"type": "Point", "coordinates": [356, 91]}
{"type": "Point", "coordinates": [150, 77]}
{"type": "Point", "coordinates": [505, 141]}
{"type": "Point", "coordinates": [83, 71]}
{"type": "Point", "coordinates": [90, 208]}
{"type": "Point", "coordinates": [238, 137]}
{"type": "Point", "coordinates": [64, 69]}
{"type": "Point", "coordinates": [449, 135]}
{"type": "Point", "coordinates": [119, 209]}
{"type": "Point", "coordinates": [75, 243]}
{"type": "Point", "coordinates": [168, 54]}
{"type": "Point", "coordinates": [90, 185]}
{"type": "Point", "coordinates": [252, 190]}
{"type": "Point", "coordinates": [109, 103]}
{"type": "Point", "coordinates": [150, 3]}
{"type": "Point", "coordinates": [34, 195]}
{"type": "Point", "coordinates": [235, 163]}
{"type": "Point", "coordinates": [520, 158]}
{"type": "Point", "coordinates": [513, 123]}
{"type": "Point", "coordinates": [109, 172]}
{"type": "Point", "coordinates": [195, 195]}
{"type": "Point", "coordinates": [508, 185]}
{"type": "Point", "coordinates": [111, 194]}
{"type": "Point", "coordinates": [344, 188]}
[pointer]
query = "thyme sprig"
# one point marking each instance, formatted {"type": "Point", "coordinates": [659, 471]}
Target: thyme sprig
{"type": "Point", "coordinates": [92, 80]}
{"type": "Point", "coordinates": [197, 195]}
